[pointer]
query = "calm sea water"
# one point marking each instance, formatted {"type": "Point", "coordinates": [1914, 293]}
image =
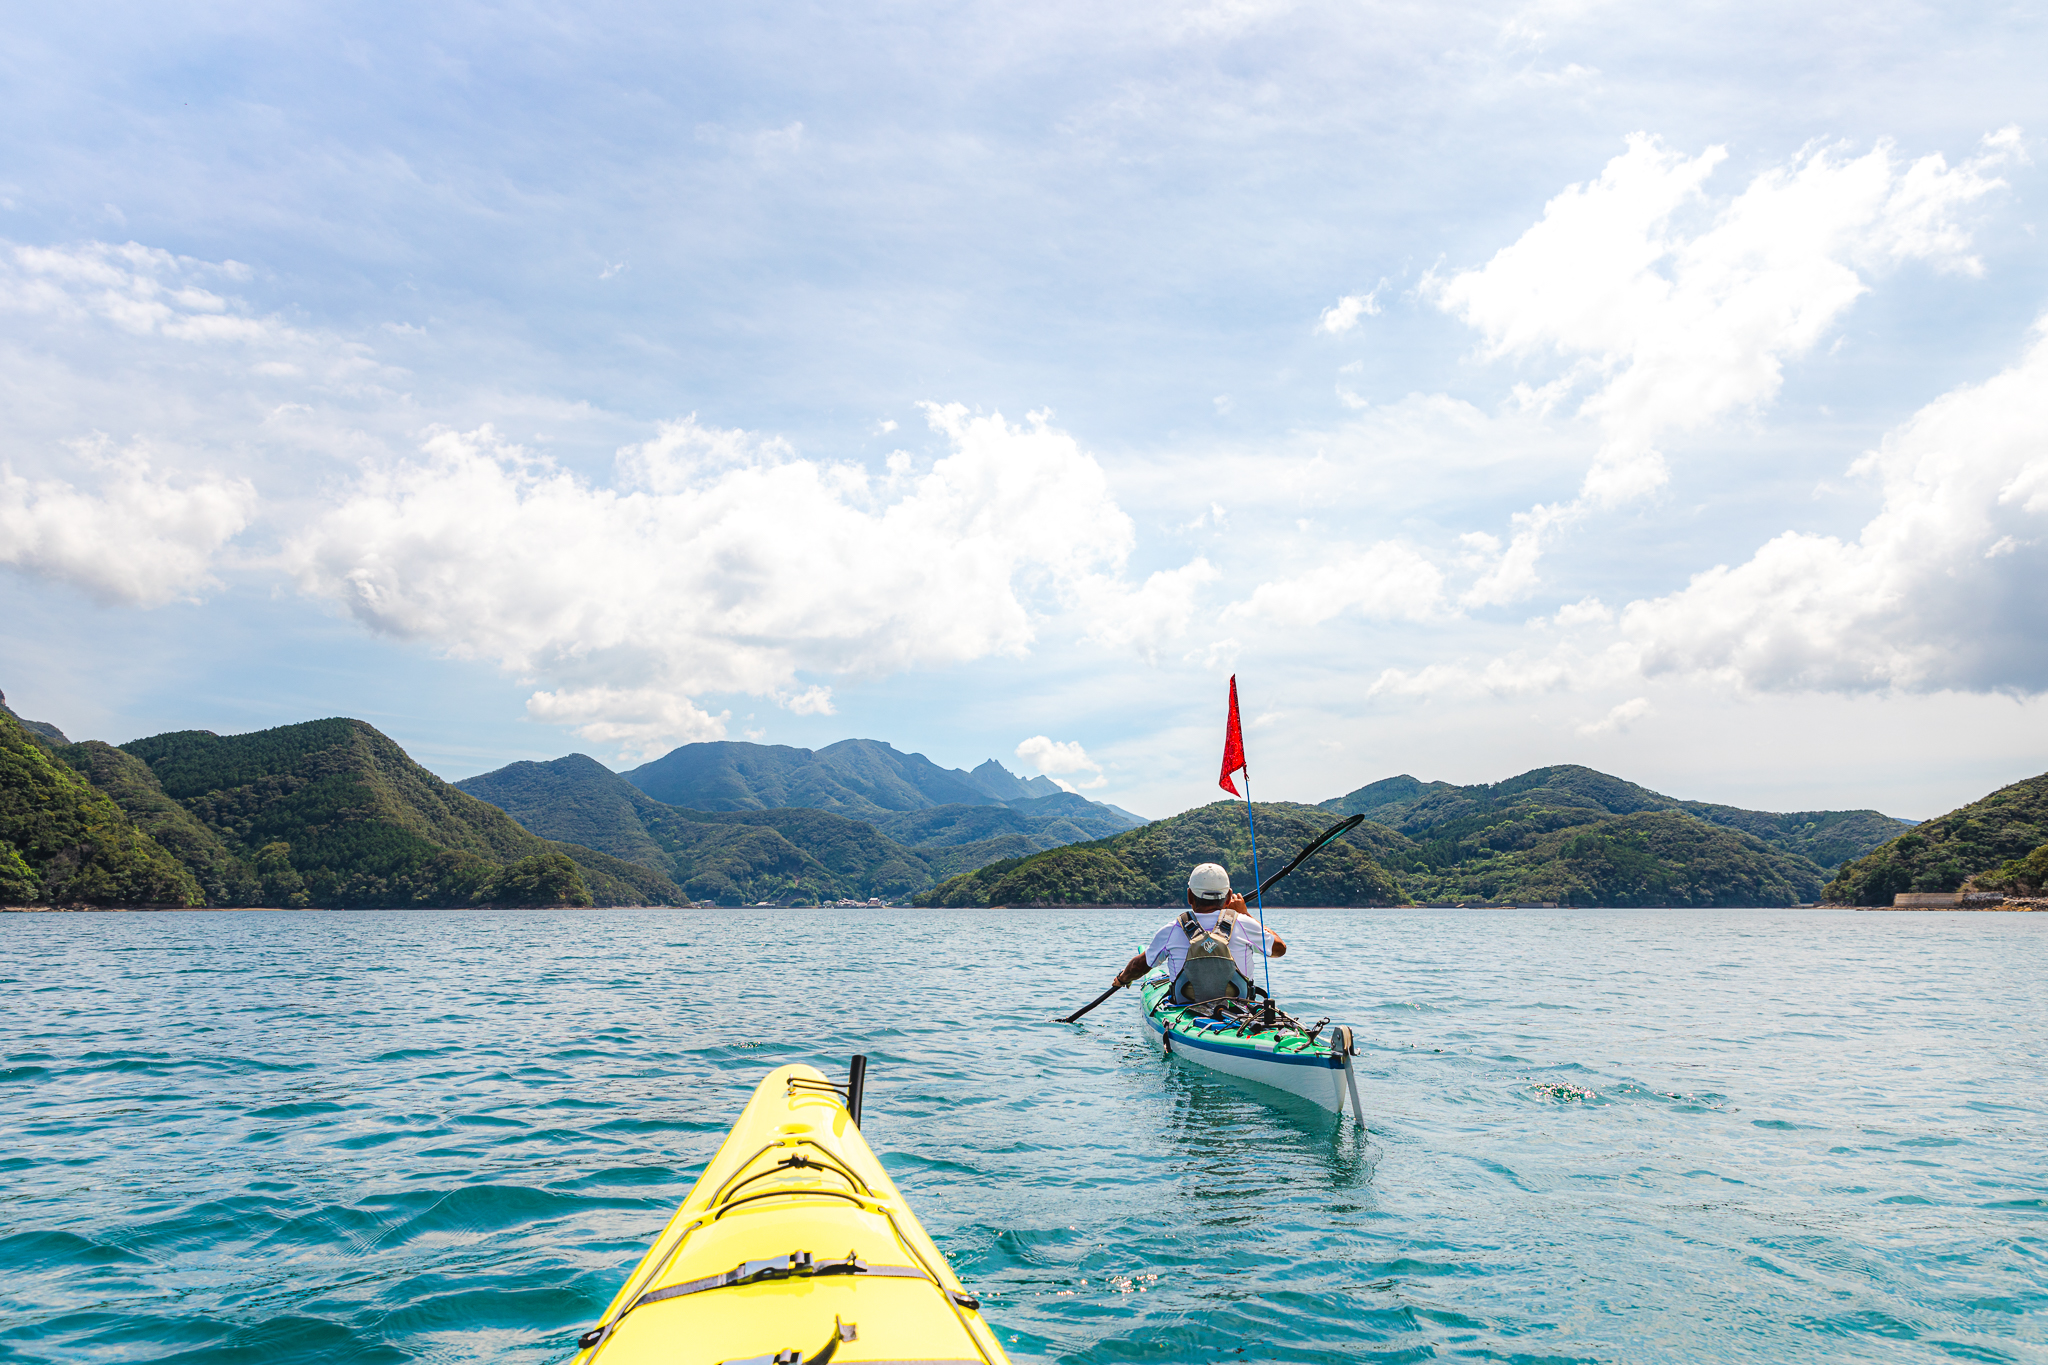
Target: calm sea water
{"type": "Point", "coordinates": [445, 1136]}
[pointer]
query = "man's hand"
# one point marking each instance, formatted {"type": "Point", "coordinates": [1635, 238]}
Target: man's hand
{"type": "Point", "coordinates": [1236, 902]}
{"type": "Point", "coordinates": [1133, 969]}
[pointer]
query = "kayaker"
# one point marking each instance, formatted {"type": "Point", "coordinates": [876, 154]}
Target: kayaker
{"type": "Point", "coordinates": [1199, 937]}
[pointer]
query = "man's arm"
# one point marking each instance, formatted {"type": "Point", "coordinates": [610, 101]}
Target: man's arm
{"type": "Point", "coordinates": [1279, 948]}
{"type": "Point", "coordinates": [1133, 969]}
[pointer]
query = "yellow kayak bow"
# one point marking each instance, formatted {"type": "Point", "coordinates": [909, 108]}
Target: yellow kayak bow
{"type": "Point", "coordinates": [793, 1248]}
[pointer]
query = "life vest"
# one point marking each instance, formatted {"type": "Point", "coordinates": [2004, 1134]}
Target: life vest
{"type": "Point", "coordinates": [1209, 972]}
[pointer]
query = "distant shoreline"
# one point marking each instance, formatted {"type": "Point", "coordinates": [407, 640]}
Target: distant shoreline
{"type": "Point", "coordinates": [152, 909]}
{"type": "Point", "coordinates": [2014, 906]}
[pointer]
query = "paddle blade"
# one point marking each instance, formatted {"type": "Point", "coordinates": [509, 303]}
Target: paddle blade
{"type": "Point", "coordinates": [1335, 831]}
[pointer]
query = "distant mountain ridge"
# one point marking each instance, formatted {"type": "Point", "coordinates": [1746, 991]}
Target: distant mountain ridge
{"type": "Point", "coordinates": [864, 779]}
{"type": "Point", "coordinates": [1827, 838]}
{"type": "Point", "coordinates": [63, 841]}
{"type": "Point", "coordinates": [1989, 840]}
{"type": "Point", "coordinates": [1149, 866]}
{"type": "Point", "coordinates": [1519, 851]}
{"type": "Point", "coordinates": [327, 813]}
{"type": "Point", "coordinates": [333, 813]}
{"type": "Point", "coordinates": [791, 852]}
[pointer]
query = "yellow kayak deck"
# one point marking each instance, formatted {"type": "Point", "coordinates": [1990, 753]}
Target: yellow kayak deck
{"type": "Point", "coordinates": [793, 1248]}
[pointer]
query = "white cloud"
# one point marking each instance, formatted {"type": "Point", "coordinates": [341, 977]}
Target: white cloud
{"type": "Point", "coordinates": [644, 723]}
{"type": "Point", "coordinates": [1670, 330]}
{"type": "Point", "coordinates": [1587, 611]}
{"type": "Point", "coordinates": [1218, 656]}
{"type": "Point", "coordinates": [141, 290]}
{"type": "Point", "coordinates": [1942, 589]}
{"type": "Point", "coordinates": [1383, 582]}
{"type": "Point", "coordinates": [722, 561]}
{"type": "Point", "coordinates": [1675, 330]}
{"type": "Point", "coordinates": [1507, 575]}
{"type": "Point", "coordinates": [1146, 618]}
{"type": "Point", "coordinates": [1618, 719]}
{"type": "Point", "coordinates": [1344, 314]}
{"type": "Point", "coordinates": [812, 701]}
{"type": "Point", "coordinates": [1568, 667]}
{"type": "Point", "coordinates": [1056, 758]}
{"type": "Point", "coordinates": [136, 537]}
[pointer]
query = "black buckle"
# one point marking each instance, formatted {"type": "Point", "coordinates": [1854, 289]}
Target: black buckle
{"type": "Point", "coordinates": [797, 1264]}
{"type": "Point", "coordinates": [841, 1332]}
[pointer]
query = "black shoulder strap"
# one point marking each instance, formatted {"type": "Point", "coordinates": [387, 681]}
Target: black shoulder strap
{"type": "Point", "coordinates": [1227, 922]}
{"type": "Point", "coordinates": [1189, 925]}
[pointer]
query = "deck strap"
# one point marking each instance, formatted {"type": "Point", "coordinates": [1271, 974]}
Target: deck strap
{"type": "Point", "coordinates": [796, 1265]}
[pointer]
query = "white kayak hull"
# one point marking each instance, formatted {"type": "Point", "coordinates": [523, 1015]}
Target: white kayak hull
{"type": "Point", "coordinates": [1319, 1071]}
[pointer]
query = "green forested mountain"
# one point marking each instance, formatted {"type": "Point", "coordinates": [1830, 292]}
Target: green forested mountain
{"type": "Point", "coordinates": [225, 877]}
{"type": "Point", "coordinates": [744, 856]}
{"type": "Point", "coordinates": [1149, 866]}
{"type": "Point", "coordinates": [1544, 855]}
{"type": "Point", "coordinates": [63, 842]}
{"type": "Point", "coordinates": [2026, 876]}
{"type": "Point", "coordinates": [47, 732]}
{"type": "Point", "coordinates": [1041, 821]}
{"type": "Point", "coordinates": [1977, 840]}
{"type": "Point", "coordinates": [862, 779]}
{"type": "Point", "coordinates": [332, 813]}
{"type": "Point", "coordinates": [1530, 841]}
{"type": "Point", "coordinates": [1423, 809]}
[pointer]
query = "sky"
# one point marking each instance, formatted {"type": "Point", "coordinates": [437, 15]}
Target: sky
{"type": "Point", "coordinates": [1662, 388]}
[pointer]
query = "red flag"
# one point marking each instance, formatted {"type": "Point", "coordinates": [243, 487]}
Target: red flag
{"type": "Point", "coordinates": [1233, 744]}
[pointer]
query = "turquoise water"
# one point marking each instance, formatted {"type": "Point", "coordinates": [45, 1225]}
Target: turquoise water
{"type": "Point", "coordinates": [445, 1136]}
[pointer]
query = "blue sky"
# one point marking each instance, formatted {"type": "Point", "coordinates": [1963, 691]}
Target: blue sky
{"type": "Point", "coordinates": [1659, 388]}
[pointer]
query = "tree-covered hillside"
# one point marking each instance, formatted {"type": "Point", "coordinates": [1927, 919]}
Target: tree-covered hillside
{"type": "Point", "coordinates": [1042, 821]}
{"type": "Point", "coordinates": [1521, 852]}
{"type": "Point", "coordinates": [1943, 853]}
{"type": "Point", "coordinates": [225, 877]}
{"type": "Point", "coordinates": [1542, 855]}
{"type": "Point", "coordinates": [790, 854]}
{"type": "Point", "coordinates": [63, 842]}
{"type": "Point", "coordinates": [1425, 809]}
{"type": "Point", "coordinates": [333, 813]}
{"type": "Point", "coordinates": [861, 779]}
{"type": "Point", "coordinates": [1149, 866]}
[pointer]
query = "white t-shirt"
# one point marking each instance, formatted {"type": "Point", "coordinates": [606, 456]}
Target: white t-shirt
{"type": "Point", "coordinates": [1171, 943]}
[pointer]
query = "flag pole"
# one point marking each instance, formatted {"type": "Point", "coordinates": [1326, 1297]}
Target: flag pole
{"type": "Point", "coordinates": [1233, 762]}
{"type": "Point", "coordinates": [1265, 948]}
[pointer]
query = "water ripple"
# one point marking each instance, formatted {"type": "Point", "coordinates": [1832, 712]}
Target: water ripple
{"type": "Point", "coordinates": [1602, 1136]}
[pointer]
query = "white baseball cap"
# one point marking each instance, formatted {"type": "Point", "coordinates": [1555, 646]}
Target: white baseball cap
{"type": "Point", "coordinates": [1209, 881]}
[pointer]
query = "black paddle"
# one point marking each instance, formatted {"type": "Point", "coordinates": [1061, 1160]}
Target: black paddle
{"type": "Point", "coordinates": [1092, 1003]}
{"type": "Point", "coordinates": [1341, 827]}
